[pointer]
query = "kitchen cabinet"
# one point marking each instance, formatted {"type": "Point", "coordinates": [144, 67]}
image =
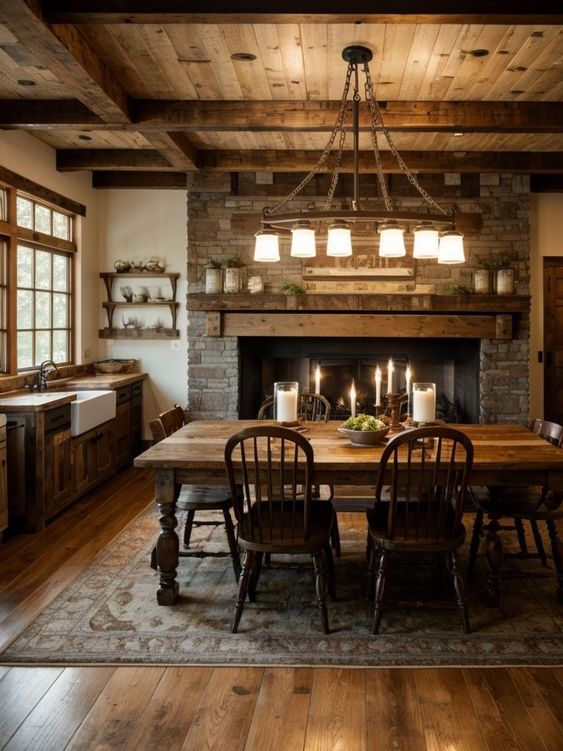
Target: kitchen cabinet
{"type": "Point", "coordinates": [57, 448]}
{"type": "Point", "coordinates": [148, 297]}
{"type": "Point", "coordinates": [92, 457]}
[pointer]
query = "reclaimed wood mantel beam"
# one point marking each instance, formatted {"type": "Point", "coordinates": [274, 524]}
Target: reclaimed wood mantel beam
{"type": "Point", "coordinates": [294, 11]}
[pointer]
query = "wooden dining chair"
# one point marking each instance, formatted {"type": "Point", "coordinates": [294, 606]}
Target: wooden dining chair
{"type": "Point", "coordinates": [275, 512]}
{"type": "Point", "coordinates": [311, 408]}
{"type": "Point", "coordinates": [194, 498]}
{"type": "Point", "coordinates": [532, 504]}
{"type": "Point", "coordinates": [419, 509]}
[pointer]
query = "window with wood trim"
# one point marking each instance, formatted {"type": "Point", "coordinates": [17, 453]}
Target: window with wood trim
{"type": "Point", "coordinates": [37, 250]}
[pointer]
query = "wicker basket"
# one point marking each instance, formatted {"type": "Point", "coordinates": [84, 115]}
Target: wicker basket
{"type": "Point", "coordinates": [114, 366]}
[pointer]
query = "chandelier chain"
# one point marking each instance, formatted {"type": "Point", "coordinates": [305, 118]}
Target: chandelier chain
{"type": "Point", "coordinates": [376, 119]}
{"type": "Point", "coordinates": [338, 128]}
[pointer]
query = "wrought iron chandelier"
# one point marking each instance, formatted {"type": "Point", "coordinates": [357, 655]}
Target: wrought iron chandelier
{"type": "Point", "coordinates": [435, 234]}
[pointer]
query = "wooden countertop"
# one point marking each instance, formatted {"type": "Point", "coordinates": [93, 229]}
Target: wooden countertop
{"type": "Point", "coordinates": [104, 380]}
{"type": "Point", "coordinates": [34, 402]}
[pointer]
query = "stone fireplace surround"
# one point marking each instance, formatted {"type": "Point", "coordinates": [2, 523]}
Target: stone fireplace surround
{"type": "Point", "coordinates": [217, 229]}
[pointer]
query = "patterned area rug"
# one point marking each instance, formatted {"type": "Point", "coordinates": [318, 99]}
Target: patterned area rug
{"type": "Point", "coordinates": [110, 615]}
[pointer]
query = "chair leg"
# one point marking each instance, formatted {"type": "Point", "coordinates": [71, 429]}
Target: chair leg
{"type": "Point", "coordinates": [154, 563]}
{"type": "Point", "coordinates": [494, 555]}
{"type": "Point", "coordinates": [330, 573]}
{"type": "Point", "coordinates": [557, 552]}
{"type": "Point", "coordinates": [232, 540]}
{"type": "Point", "coordinates": [243, 588]}
{"type": "Point", "coordinates": [475, 542]}
{"type": "Point", "coordinates": [371, 568]}
{"type": "Point", "coordinates": [255, 575]}
{"type": "Point", "coordinates": [460, 592]}
{"type": "Point", "coordinates": [539, 542]}
{"type": "Point", "coordinates": [519, 527]}
{"type": "Point", "coordinates": [335, 537]}
{"type": "Point", "coordinates": [379, 589]}
{"type": "Point", "coordinates": [321, 586]}
{"type": "Point", "coordinates": [188, 527]}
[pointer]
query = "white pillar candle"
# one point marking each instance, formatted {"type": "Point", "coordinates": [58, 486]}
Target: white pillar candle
{"type": "Point", "coordinates": [390, 376]}
{"type": "Point", "coordinates": [377, 386]}
{"type": "Point", "coordinates": [318, 380]}
{"type": "Point", "coordinates": [353, 400]}
{"type": "Point", "coordinates": [408, 376]}
{"type": "Point", "coordinates": [423, 404]}
{"type": "Point", "coordinates": [286, 406]}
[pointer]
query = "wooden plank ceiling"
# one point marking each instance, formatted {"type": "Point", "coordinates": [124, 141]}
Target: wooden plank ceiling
{"type": "Point", "coordinates": [148, 87]}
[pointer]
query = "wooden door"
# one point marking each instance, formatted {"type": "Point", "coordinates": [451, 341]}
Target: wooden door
{"type": "Point", "coordinates": [83, 449]}
{"type": "Point", "coordinates": [3, 488]}
{"type": "Point", "coordinates": [58, 473]}
{"type": "Point", "coordinates": [104, 449]}
{"type": "Point", "coordinates": [553, 339]}
{"type": "Point", "coordinates": [123, 438]}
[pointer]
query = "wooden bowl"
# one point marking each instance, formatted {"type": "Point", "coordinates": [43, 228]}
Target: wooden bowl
{"type": "Point", "coordinates": [365, 437]}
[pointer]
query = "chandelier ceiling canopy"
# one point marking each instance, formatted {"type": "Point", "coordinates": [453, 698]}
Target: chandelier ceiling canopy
{"type": "Point", "coordinates": [435, 234]}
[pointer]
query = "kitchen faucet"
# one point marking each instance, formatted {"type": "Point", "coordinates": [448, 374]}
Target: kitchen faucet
{"type": "Point", "coordinates": [46, 367]}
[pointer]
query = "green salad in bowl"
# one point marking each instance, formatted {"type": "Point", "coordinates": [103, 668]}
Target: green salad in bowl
{"type": "Point", "coordinates": [364, 430]}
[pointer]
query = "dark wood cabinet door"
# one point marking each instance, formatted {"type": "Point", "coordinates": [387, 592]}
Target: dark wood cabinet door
{"type": "Point", "coordinates": [553, 339]}
{"type": "Point", "coordinates": [83, 468]}
{"type": "Point", "coordinates": [104, 449]}
{"type": "Point", "coordinates": [123, 438]}
{"type": "Point", "coordinates": [58, 471]}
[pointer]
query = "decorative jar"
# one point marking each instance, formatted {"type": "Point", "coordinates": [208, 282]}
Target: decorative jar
{"type": "Point", "coordinates": [286, 394]}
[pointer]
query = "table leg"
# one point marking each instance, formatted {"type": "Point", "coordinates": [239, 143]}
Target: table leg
{"type": "Point", "coordinates": [167, 545]}
{"type": "Point", "coordinates": [494, 556]}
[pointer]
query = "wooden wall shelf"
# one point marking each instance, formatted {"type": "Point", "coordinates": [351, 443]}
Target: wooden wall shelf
{"type": "Point", "coordinates": [138, 333]}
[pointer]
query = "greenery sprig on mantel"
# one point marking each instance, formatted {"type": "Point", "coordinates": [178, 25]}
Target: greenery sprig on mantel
{"type": "Point", "coordinates": [291, 288]}
{"type": "Point", "coordinates": [234, 263]}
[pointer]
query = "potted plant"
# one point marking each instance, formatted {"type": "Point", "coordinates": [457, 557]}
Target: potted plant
{"type": "Point", "coordinates": [213, 277]}
{"type": "Point", "coordinates": [233, 274]}
{"type": "Point", "coordinates": [483, 277]}
{"type": "Point", "coordinates": [505, 276]}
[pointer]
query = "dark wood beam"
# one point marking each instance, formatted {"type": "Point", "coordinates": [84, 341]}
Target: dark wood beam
{"type": "Point", "coordinates": [176, 180]}
{"type": "Point", "coordinates": [269, 160]}
{"type": "Point", "coordinates": [424, 116]}
{"type": "Point", "coordinates": [39, 191]}
{"type": "Point", "coordinates": [175, 148]}
{"type": "Point", "coordinates": [47, 114]}
{"type": "Point", "coordinates": [72, 160]}
{"type": "Point", "coordinates": [296, 11]}
{"type": "Point", "coordinates": [546, 183]}
{"type": "Point", "coordinates": [65, 52]}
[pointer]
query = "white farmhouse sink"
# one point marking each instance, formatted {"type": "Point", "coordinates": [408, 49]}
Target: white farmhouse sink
{"type": "Point", "coordinates": [90, 409]}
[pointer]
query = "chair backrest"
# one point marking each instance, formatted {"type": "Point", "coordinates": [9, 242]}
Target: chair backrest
{"type": "Point", "coordinates": [427, 470]}
{"type": "Point", "coordinates": [274, 466]}
{"type": "Point", "coordinates": [167, 422]}
{"type": "Point", "coordinates": [551, 431]}
{"type": "Point", "coordinates": [311, 407]}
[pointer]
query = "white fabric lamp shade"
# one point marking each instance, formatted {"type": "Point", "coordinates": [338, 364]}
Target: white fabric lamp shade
{"type": "Point", "coordinates": [267, 246]}
{"type": "Point", "coordinates": [391, 241]}
{"type": "Point", "coordinates": [339, 240]}
{"type": "Point", "coordinates": [450, 249]}
{"type": "Point", "coordinates": [426, 240]}
{"type": "Point", "coordinates": [303, 241]}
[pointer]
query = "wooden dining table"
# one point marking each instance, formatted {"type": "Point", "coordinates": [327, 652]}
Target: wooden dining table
{"type": "Point", "coordinates": [504, 455]}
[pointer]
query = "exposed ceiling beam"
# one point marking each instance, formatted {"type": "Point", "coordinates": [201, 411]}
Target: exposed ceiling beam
{"type": "Point", "coordinates": [268, 160]}
{"type": "Point", "coordinates": [66, 53]}
{"type": "Point", "coordinates": [297, 11]}
{"type": "Point", "coordinates": [139, 180]}
{"type": "Point", "coordinates": [72, 160]}
{"type": "Point", "coordinates": [275, 116]}
{"type": "Point", "coordinates": [175, 148]}
{"type": "Point", "coordinates": [286, 116]}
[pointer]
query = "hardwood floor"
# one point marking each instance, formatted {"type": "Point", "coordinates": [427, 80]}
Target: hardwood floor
{"type": "Point", "coordinates": [310, 709]}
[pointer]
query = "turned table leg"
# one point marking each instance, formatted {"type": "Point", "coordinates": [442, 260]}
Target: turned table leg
{"type": "Point", "coordinates": [167, 545]}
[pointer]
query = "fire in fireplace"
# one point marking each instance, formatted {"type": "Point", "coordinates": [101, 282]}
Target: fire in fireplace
{"type": "Point", "coordinates": [450, 363]}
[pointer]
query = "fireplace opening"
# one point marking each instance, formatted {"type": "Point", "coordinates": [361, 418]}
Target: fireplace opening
{"type": "Point", "coordinates": [452, 364]}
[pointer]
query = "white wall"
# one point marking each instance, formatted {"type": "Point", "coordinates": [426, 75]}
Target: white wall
{"type": "Point", "coordinates": [32, 159]}
{"type": "Point", "coordinates": [138, 224]}
{"type": "Point", "coordinates": [546, 239]}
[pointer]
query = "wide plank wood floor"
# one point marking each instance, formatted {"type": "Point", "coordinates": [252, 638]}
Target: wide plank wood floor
{"type": "Point", "coordinates": [278, 709]}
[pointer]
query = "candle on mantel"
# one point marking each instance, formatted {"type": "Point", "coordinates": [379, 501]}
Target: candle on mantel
{"type": "Point", "coordinates": [408, 376]}
{"type": "Point", "coordinates": [353, 400]}
{"type": "Point", "coordinates": [377, 386]}
{"type": "Point", "coordinates": [390, 369]}
{"type": "Point", "coordinates": [318, 380]}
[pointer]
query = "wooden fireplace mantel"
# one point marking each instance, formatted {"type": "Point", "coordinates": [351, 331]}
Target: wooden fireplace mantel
{"type": "Point", "coordinates": [345, 315]}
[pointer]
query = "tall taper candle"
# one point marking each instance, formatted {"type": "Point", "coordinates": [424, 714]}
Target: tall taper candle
{"type": "Point", "coordinates": [408, 376]}
{"type": "Point", "coordinates": [318, 380]}
{"type": "Point", "coordinates": [390, 376]}
{"type": "Point", "coordinates": [377, 386]}
{"type": "Point", "coordinates": [353, 400]}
